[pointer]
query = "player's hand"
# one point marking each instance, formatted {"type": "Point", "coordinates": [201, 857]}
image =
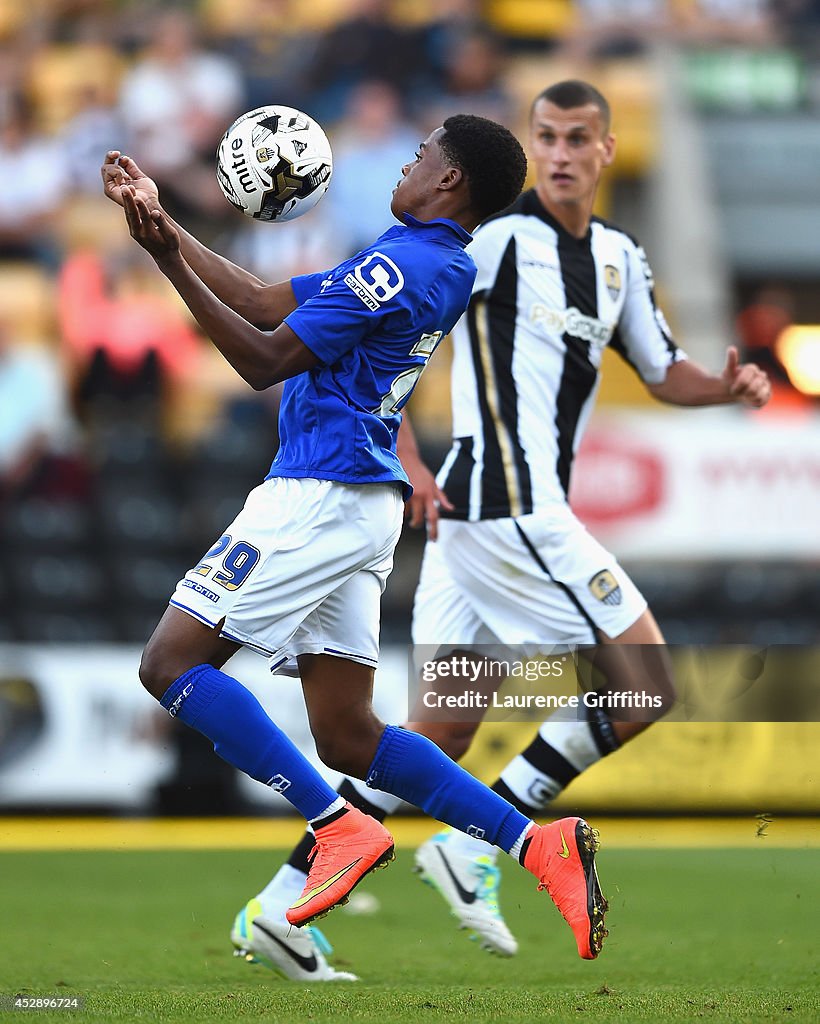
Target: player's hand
{"type": "Point", "coordinates": [746, 382]}
{"type": "Point", "coordinates": [118, 171]}
{"type": "Point", "coordinates": [427, 499]}
{"type": "Point", "coordinates": [151, 228]}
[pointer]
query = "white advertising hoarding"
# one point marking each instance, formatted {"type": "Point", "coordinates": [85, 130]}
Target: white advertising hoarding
{"type": "Point", "coordinates": [77, 728]}
{"type": "Point", "coordinates": [705, 483]}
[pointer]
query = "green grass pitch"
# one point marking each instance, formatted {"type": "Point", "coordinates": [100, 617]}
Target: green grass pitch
{"type": "Point", "coordinates": [695, 935]}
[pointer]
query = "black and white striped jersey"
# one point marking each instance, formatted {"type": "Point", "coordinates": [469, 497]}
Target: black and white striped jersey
{"type": "Point", "coordinates": [527, 352]}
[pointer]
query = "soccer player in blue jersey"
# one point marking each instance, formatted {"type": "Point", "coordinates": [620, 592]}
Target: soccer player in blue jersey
{"type": "Point", "coordinates": [300, 571]}
{"type": "Point", "coordinates": [512, 563]}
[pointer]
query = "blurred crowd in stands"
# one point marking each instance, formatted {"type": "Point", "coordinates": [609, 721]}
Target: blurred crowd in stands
{"type": "Point", "coordinates": [111, 402]}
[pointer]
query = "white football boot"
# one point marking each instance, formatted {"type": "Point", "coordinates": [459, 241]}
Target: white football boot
{"type": "Point", "coordinates": [296, 953]}
{"type": "Point", "coordinates": [469, 886]}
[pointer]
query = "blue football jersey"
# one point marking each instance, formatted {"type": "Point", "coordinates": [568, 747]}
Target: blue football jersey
{"type": "Point", "coordinates": [373, 322]}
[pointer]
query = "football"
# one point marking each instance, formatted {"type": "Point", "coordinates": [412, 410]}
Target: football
{"type": "Point", "coordinates": [274, 163]}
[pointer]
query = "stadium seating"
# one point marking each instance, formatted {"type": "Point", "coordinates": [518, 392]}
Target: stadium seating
{"type": "Point", "coordinates": [63, 77]}
{"type": "Point", "coordinates": [27, 300]}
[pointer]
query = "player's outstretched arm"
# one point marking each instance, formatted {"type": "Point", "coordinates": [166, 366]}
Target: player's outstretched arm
{"type": "Point", "coordinates": [427, 496]}
{"type": "Point", "coordinates": [260, 358]}
{"type": "Point", "coordinates": [689, 384]}
{"type": "Point", "coordinates": [259, 303]}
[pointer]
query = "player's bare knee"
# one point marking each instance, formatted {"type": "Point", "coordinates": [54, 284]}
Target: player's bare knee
{"type": "Point", "coordinates": [155, 671]}
{"type": "Point", "coordinates": [347, 733]}
{"type": "Point", "coordinates": [349, 750]}
{"type": "Point", "coordinates": [341, 756]}
{"type": "Point", "coordinates": [644, 670]}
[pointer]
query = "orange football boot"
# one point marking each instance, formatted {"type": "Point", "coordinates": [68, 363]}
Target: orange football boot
{"type": "Point", "coordinates": [347, 848]}
{"type": "Point", "coordinates": [561, 855]}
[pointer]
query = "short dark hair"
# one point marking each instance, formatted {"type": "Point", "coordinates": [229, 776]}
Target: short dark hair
{"type": "Point", "coordinates": [575, 93]}
{"type": "Point", "coordinates": [491, 158]}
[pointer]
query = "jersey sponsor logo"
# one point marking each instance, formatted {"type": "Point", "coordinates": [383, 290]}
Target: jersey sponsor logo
{"type": "Point", "coordinates": [376, 280]}
{"type": "Point", "coordinates": [571, 321]}
{"type": "Point", "coordinates": [199, 589]}
{"type": "Point", "coordinates": [612, 279]}
{"type": "Point", "coordinates": [606, 588]}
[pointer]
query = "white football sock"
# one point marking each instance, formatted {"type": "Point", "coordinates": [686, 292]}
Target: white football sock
{"type": "Point", "coordinates": [283, 889]}
{"type": "Point", "coordinates": [337, 805]}
{"type": "Point", "coordinates": [468, 846]}
{"type": "Point", "coordinates": [515, 850]}
{"type": "Point", "coordinates": [563, 748]}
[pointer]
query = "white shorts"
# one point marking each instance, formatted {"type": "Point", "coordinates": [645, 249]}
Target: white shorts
{"type": "Point", "coordinates": [540, 581]}
{"type": "Point", "coordinates": [300, 570]}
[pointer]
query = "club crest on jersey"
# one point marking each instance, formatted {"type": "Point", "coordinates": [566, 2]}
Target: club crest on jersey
{"type": "Point", "coordinates": [605, 587]}
{"type": "Point", "coordinates": [376, 280]}
{"type": "Point", "coordinates": [612, 279]}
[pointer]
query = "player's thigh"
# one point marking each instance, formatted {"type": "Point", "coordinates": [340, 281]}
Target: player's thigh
{"type": "Point", "coordinates": [541, 580]}
{"type": "Point", "coordinates": [442, 614]}
{"type": "Point", "coordinates": [293, 544]}
{"type": "Point", "coordinates": [637, 661]}
{"type": "Point", "coordinates": [345, 624]}
{"type": "Point", "coordinates": [446, 625]}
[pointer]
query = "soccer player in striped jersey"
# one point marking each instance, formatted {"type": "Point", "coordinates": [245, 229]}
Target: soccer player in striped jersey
{"type": "Point", "coordinates": [511, 564]}
{"type": "Point", "coordinates": [300, 571]}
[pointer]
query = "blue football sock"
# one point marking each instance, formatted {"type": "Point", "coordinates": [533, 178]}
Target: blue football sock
{"type": "Point", "coordinates": [414, 768]}
{"type": "Point", "coordinates": [235, 722]}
